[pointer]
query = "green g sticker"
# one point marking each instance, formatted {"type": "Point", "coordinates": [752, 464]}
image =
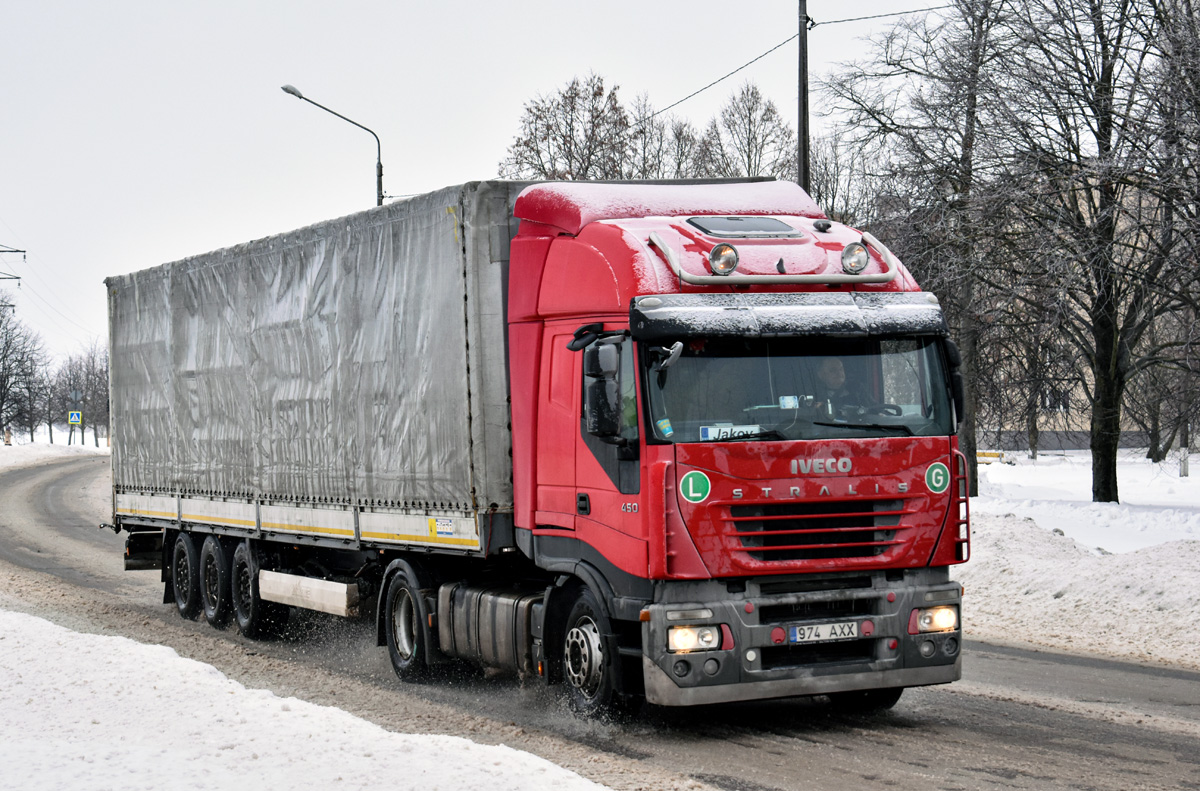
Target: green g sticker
{"type": "Point", "coordinates": [695, 487]}
{"type": "Point", "coordinates": [937, 477]}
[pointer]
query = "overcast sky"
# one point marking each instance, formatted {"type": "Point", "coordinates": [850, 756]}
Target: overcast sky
{"type": "Point", "coordinates": [135, 132]}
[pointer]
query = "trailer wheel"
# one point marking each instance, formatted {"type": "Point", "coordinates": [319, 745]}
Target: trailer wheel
{"type": "Point", "coordinates": [185, 576]}
{"type": "Point", "coordinates": [255, 617]}
{"type": "Point", "coordinates": [588, 670]}
{"type": "Point", "coordinates": [215, 590]}
{"type": "Point", "coordinates": [407, 636]}
{"type": "Point", "coordinates": [864, 701]}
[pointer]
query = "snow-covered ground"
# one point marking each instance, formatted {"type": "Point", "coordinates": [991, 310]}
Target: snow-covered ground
{"type": "Point", "coordinates": [1048, 568]}
{"type": "Point", "coordinates": [71, 719]}
{"type": "Point", "coordinates": [1157, 505]}
{"type": "Point", "coordinates": [24, 453]}
{"type": "Point", "coordinates": [1051, 568]}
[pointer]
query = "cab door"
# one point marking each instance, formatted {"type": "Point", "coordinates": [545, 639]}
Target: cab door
{"type": "Point", "coordinates": [558, 428]}
{"type": "Point", "coordinates": [608, 473]}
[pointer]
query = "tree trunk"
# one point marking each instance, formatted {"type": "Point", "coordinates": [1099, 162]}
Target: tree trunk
{"type": "Point", "coordinates": [1106, 407]}
{"type": "Point", "coordinates": [1031, 430]}
{"type": "Point", "coordinates": [1155, 452]}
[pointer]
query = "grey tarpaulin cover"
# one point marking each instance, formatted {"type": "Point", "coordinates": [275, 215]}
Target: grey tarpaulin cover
{"type": "Point", "coordinates": [360, 360]}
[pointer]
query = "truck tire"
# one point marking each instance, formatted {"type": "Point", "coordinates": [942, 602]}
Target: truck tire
{"type": "Point", "coordinates": [404, 624]}
{"type": "Point", "coordinates": [255, 618]}
{"type": "Point", "coordinates": [185, 575]}
{"type": "Point", "coordinates": [589, 673]}
{"type": "Point", "coordinates": [215, 590]}
{"type": "Point", "coordinates": [865, 701]}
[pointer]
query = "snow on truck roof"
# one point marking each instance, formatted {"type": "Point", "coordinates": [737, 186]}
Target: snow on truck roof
{"type": "Point", "coordinates": [572, 205]}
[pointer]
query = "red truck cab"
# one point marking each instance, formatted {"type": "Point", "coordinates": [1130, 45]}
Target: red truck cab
{"type": "Point", "coordinates": [734, 421]}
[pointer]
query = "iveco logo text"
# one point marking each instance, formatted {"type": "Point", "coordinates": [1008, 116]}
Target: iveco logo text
{"type": "Point", "coordinates": [820, 466]}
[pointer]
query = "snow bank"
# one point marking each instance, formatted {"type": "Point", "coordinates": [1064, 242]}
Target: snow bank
{"type": "Point", "coordinates": [1051, 568]}
{"type": "Point", "coordinates": [24, 454]}
{"type": "Point", "coordinates": [84, 711]}
{"type": "Point", "coordinates": [1025, 584]}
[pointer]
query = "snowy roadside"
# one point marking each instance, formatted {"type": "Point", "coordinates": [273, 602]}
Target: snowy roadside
{"type": "Point", "coordinates": [69, 718]}
{"type": "Point", "coordinates": [23, 453]}
{"type": "Point", "coordinates": [1050, 568]}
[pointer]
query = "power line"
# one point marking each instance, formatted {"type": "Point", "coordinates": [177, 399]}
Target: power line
{"type": "Point", "coordinates": [721, 79]}
{"type": "Point", "coordinates": [28, 289]}
{"type": "Point", "coordinates": [812, 23]}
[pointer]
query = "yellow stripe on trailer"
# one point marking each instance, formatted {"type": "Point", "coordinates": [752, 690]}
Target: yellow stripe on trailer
{"type": "Point", "coordinates": [333, 531]}
{"type": "Point", "coordinates": [425, 539]}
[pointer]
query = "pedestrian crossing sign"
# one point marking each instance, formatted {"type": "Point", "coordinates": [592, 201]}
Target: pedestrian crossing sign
{"type": "Point", "coordinates": [75, 418]}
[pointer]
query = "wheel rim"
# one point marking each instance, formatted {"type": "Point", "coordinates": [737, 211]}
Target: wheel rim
{"type": "Point", "coordinates": [183, 576]}
{"type": "Point", "coordinates": [212, 582]}
{"type": "Point", "coordinates": [241, 589]}
{"type": "Point", "coordinates": [583, 657]}
{"type": "Point", "coordinates": [404, 624]}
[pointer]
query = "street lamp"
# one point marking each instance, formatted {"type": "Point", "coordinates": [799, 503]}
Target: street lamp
{"type": "Point", "coordinates": [378, 148]}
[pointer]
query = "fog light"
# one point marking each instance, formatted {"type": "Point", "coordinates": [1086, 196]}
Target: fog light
{"type": "Point", "coordinates": [927, 649]}
{"type": "Point", "coordinates": [682, 668]}
{"type": "Point", "coordinates": [681, 639]}
{"type": "Point", "coordinates": [712, 667]}
{"type": "Point", "coordinates": [723, 259]}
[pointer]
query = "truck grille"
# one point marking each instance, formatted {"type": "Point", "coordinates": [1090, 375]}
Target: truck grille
{"type": "Point", "coordinates": [858, 528]}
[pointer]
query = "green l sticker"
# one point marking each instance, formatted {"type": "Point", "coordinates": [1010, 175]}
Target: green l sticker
{"type": "Point", "coordinates": [937, 477]}
{"type": "Point", "coordinates": [695, 487]}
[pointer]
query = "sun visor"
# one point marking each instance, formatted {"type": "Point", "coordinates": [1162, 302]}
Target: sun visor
{"type": "Point", "coordinates": [845, 315]}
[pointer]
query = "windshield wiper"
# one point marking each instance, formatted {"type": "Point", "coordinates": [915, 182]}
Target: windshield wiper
{"type": "Point", "coordinates": [767, 433]}
{"type": "Point", "coordinates": [880, 426]}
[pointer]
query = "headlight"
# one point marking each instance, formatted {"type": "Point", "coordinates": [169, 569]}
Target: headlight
{"type": "Point", "coordinates": [933, 619]}
{"type": "Point", "coordinates": [723, 259]}
{"type": "Point", "coordinates": [855, 258]}
{"type": "Point", "coordinates": [681, 639]}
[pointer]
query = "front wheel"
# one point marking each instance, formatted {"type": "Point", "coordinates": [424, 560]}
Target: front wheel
{"type": "Point", "coordinates": [589, 669]}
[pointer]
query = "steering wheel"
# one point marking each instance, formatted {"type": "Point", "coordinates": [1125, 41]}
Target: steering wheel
{"type": "Point", "coordinates": [886, 409]}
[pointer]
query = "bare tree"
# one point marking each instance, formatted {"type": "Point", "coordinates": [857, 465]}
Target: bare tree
{"type": "Point", "coordinates": [20, 350]}
{"type": "Point", "coordinates": [1096, 232]}
{"type": "Point", "coordinates": [577, 133]}
{"type": "Point", "coordinates": [748, 137]}
{"type": "Point", "coordinates": [920, 98]}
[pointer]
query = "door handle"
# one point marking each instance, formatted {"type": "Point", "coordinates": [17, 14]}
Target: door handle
{"type": "Point", "coordinates": [583, 504]}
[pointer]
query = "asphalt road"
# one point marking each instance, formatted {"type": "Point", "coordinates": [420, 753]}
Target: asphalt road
{"type": "Point", "coordinates": [1020, 719]}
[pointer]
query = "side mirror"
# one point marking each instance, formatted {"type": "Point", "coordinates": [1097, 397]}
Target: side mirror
{"type": "Point", "coordinates": [958, 393]}
{"type": "Point", "coordinates": [957, 386]}
{"type": "Point", "coordinates": [602, 390]}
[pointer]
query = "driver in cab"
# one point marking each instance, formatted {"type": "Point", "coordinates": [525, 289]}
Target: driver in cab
{"type": "Point", "coordinates": [831, 393]}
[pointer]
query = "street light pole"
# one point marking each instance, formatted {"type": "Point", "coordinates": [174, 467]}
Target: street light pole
{"type": "Point", "coordinates": [378, 148]}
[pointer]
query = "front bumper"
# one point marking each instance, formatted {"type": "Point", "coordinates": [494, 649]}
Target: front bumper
{"type": "Point", "coordinates": [757, 661]}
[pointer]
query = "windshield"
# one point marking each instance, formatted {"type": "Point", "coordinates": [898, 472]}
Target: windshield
{"type": "Point", "coordinates": [736, 389]}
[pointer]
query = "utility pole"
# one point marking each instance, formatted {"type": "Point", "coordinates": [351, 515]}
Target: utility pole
{"type": "Point", "coordinates": [6, 275]}
{"type": "Point", "coordinates": [802, 156]}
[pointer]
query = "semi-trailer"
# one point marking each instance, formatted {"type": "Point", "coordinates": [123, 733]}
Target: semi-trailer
{"type": "Point", "coordinates": [687, 442]}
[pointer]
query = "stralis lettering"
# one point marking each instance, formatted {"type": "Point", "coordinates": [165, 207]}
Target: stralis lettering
{"type": "Point", "coordinates": [851, 490]}
{"type": "Point", "coordinates": [820, 466]}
